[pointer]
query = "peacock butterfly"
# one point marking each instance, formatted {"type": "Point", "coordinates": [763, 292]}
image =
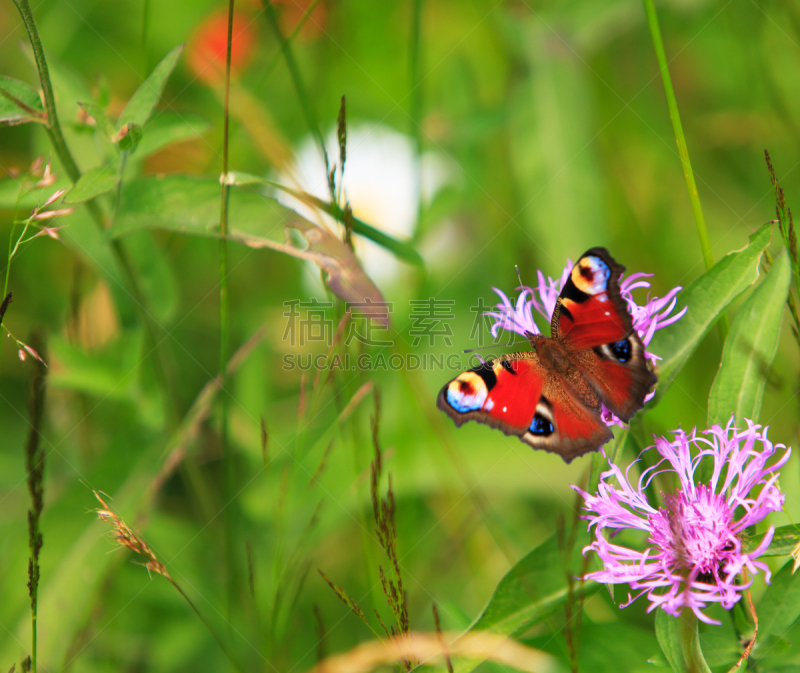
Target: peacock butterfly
{"type": "Point", "coordinates": [551, 398]}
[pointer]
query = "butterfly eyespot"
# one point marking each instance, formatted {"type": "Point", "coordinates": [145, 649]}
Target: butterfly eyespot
{"type": "Point", "coordinates": [541, 426]}
{"type": "Point", "coordinates": [467, 392]}
{"type": "Point", "coordinates": [621, 350]}
{"type": "Point", "coordinates": [591, 275]}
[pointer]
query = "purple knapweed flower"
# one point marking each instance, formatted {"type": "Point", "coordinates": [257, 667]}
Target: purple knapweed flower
{"type": "Point", "coordinates": [694, 553]}
{"type": "Point", "coordinates": [653, 315]}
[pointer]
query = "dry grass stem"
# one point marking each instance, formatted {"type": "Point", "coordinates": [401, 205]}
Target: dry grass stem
{"type": "Point", "coordinates": [427, 646]}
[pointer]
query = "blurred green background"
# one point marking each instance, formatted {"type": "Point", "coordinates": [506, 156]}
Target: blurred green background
{"type": "Point", "coordinates": [549, 127]}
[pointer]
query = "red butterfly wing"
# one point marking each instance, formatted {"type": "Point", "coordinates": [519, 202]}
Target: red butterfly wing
{"type": "Point", "coordinates": [517, 395]}
{"type": "Point", "coordinates": [502, 393]}
{"type": "Point", "coordinates": [590, 311]}
{"type": "Point", "coordinates": [592, 317]}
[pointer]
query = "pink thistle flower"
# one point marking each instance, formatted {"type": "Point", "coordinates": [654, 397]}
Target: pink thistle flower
{"type": "Point", "coordinates": [694, 554]}
{"type": "Point", "coordinates": [649, 317]}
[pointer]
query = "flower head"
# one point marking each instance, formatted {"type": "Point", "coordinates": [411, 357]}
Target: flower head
{"type": "Point", "coordinates": [694, 553]}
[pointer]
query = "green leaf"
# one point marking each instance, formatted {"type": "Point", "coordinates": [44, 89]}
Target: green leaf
{"type": "Point", "coordinates": [19, 103]}
{"type": "Point", "coordinates": [533, 590]}
{"type": "Point", "coordinates": [680, 642]}
{"type": "Point", "coordinates": [706, 298]}
{"type": "Point", "coordinates": [750, 348]}
{"type": "Point", "coordinates": [780, 605]}
{"type": "Point", "coordinates": [771, 646]}
{"type": "Point", "coordinates": [190, 205]}
{"type": "Point", "coordinates": [103, 123]}
{"type": "Point", "coordinates": [784, 541]}
{"type": "Point", "coordinates": [401, 249]}
{"type": "Point", "coordinates": [668, 632]}
{"type": "Point", "coordinates": [129, 137]}
{"type": "Point", "coordinates": [168, 128]}
{"type": "Point", "coordinates": [141, 104]}
{"type": "Point", "coordinates": [94, 182]}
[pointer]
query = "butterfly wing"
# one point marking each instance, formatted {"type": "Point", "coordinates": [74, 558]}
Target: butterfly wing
{"type": "Point", "coordinates": [515, 393]}
{"type": "Point", "coordinates": [592, 318]}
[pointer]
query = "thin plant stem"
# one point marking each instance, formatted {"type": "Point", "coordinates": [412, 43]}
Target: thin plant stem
{"type": "Point", "coordinates": [271, 65]}
{"type": "Point", "coordinates": [53, 128]}
{"type": "Point", "coordinates": [224, 330]}
{"type": "Point", "coordinates": [416, 94]}
{"type": "Point", "coordinates": [305, 102]}
{"type": "Point", "coordinates": [683, 150]}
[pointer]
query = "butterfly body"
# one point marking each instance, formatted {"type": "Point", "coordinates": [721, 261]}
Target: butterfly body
{"type": "Point", "coordinates": [552, 397]}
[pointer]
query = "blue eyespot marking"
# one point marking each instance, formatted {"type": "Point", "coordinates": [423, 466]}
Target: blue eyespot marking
{"type": "Point", "coordinates": [591, 274]}
{"type": "Point", "coordinates": [467, 393]}
{"type": "Point", "coordinates": [621, 350]}
{"type": "Point", "coordinates": [541, 426]}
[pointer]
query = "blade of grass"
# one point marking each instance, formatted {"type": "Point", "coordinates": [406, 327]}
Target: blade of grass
{"type": "Point", "coordinates": [683, 150]}
{"type": "Point", "coordinates": [416, 94]}
{"type": "Point", "coordinates": [224, 337]}
{"type": "Point", "coordinates": [305, 102]}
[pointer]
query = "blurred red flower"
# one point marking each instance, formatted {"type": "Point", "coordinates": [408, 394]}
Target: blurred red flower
{"type": "Point", "coordinates": [208, 46]}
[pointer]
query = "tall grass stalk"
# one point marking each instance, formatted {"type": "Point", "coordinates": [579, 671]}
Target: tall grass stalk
{"type": "Point", "coordinates": [683, 150]}
{"type": "Point", "coordinates": [305, 102]}
{"type": "Point", "coordinates": [59, 144]}
{"type": "Point", "coordinates": [224, 332]}
{"type": "Point", "coordinates": [34, 466]}
{"type": "Point", "coordinates": [680, 139]}
{"type": "Point", "coordinates": [416, 93]}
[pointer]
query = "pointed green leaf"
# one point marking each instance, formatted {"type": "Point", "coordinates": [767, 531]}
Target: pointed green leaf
{"type": "Point", "coordinates": [103, 123]}
{"type": "Point", "coordinates": [190, 204]}
{"type": "Point", "coordinates": [129, 137]}
{"type": "Point", "coordinates": [168, 128]}
{"type": "Point", "coordinates": [706, 298]}
{"type": "Point", "coordinates": [19, 102]}
{"type": "Point", "coordinates": [784, 541]}
{"type": "Point", "coordinates": [780, 605]}
{"type": "Point", "coordinates": [94, 182]}
{"type": "Point", "coordinates": [750, 349]}
{"type": "Point", "coordinates": [141, 104]}
{"type": "Point", "coordinates": [533, 590]}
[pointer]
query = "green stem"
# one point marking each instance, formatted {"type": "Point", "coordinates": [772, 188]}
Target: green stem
{"type": "Point", "coordinates": [294, 71]}
{"type": "Point", "coordinates": [213, 633]}
{"type": "Point", "coordinates": [416, 94]}
{"type": "Point", "coordinates": [224, 331]}
{"type": "Point", "coordinates": [683, 150]}
{"type": "Point", "coordinates": [672, 104]}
